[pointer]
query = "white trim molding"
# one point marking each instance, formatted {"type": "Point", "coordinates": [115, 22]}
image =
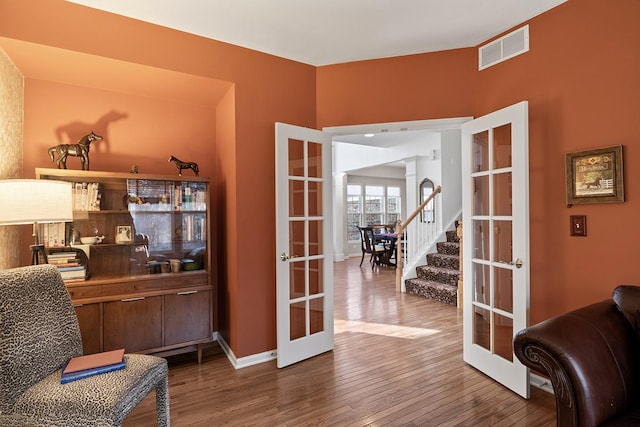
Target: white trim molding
{"type": "Point", "coordinates": [246, 361]}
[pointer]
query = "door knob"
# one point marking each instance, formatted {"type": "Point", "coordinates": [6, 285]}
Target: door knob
{"type": "Point", "coordinates": [517, 262]}
{"type": "Point", "coordinates": [285, 256]}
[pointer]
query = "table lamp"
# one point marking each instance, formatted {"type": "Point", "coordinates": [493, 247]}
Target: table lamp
{"type": "Point", "coordinates": [34, 201]}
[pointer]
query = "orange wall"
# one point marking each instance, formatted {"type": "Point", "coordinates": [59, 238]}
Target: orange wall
{"type": "Point", "coordinates": [266, 89]}
{"type": "Point", "coordinates": [415, 87]}
{"type": "Point", "coordinates": [132, 127]}
{"type": "Point", "coordinates": [581, 80]}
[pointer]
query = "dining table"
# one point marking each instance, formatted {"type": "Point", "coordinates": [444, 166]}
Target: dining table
{"type": "Point", "coordinates": [390, 253]}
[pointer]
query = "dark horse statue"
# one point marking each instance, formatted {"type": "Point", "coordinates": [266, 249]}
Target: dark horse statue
{"type": "Point", "coordinates": [184, 165]}
{"type": "Point", "coordinates": [81, 149]}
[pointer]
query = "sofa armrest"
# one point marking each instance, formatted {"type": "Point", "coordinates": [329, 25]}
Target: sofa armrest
{"type": "Point", "coordinates": [590, 356]}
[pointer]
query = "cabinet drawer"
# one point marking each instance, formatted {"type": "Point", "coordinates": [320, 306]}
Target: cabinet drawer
{"type": "Point", "coordinates": [187, 316]}
{"type": "Point", "coordinates": [134, 324]}
{"type": "Point", "coordinates": [103, 290]}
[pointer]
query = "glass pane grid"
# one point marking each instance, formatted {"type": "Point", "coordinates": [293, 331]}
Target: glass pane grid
{"type": "Point", "coordinates": [493, 321]}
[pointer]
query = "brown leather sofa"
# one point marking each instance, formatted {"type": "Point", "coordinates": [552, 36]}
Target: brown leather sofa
{"type": "Point", "coordinates": [592, 357]}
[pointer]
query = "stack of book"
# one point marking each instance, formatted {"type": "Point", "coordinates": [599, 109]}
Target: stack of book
{"type": "Point", "coordinates": [86, 196]}
{"type": "Point", "coordinates": [92, 364]}
{"type": "Point", "coordinates": [52, 234]}
{"type": "Point", "coordinates": [69, 265]}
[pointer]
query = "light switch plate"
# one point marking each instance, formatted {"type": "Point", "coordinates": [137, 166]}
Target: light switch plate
{"type": "Point", "coordinates": [578, 225]}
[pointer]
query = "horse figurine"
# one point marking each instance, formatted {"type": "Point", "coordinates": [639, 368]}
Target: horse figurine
{"type": "Point", "coordinates": [81, 149]}
{"type": "Point", "coordinates": [184, 165]}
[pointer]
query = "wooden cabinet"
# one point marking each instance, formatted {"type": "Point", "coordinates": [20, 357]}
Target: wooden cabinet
{"type": "Point", "coordinates": [90, 320]}
{"type": "Point", "coordinates": [134, 324]}
{"type": "Point", "coordinates": [131, 298]}
{"type": "Point", "coordinates": [183, 320]}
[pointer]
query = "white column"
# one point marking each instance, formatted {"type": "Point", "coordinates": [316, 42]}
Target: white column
{"type": "Point", "coordinates": [339, 216]}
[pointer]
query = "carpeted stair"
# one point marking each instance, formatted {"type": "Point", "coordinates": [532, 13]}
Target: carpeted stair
{"type": "Point", "coordinates": [438, 279]}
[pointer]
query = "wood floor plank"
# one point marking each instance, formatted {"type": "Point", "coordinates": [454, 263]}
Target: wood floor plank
{"type": "Point", "coordinates": [397, 362]}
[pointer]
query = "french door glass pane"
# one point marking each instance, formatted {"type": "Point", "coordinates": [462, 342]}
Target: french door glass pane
{"type": "Point", "coordinates": [297, 278]}
{"type": "Point", "coordinates": [503, 337]}
{"type": "Point", "coordinates": [315, 198]}
{"type": "Point", "coordinates": [502, 238]}
{"type": "Point", "coordinates": [297, 320]}
{"type": "Point", "coordinates": [482, 327]}
{"type": "Point", "coordinates": [316, 315]}
{"type": "Point", "coordinates": [502, 197]}
{"type": "Point", "coordinates": [502, 146]}
{"type": "Point", "coordinates": [315, 238]}
{"type": "Point", "coordinates": [480, 151]}
{"type": "Point", "coordinates": [481, 238]}
{"type": "Point", "coordinates": [481, 285]}
{"type": "Point", "coordinates": [481, 195]}
{"type": "Point", "coordinates": [296, 238]}
{"type": "Point", "coordinates": [315, 277]}
{"type": "Point", "coordinates": [503, 286]}
{"type": "Point", "coordinates": [296, 198]}
{"type": "Point", "coordinates": [315, 160]}
{"type": "Point", "coordinates": [296, 157]}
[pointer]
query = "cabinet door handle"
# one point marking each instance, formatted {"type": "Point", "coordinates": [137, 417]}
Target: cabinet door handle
{"type": "Point", "coordinates": [132, 299]}
{"type": "Point", "coordinates": [187, 292]}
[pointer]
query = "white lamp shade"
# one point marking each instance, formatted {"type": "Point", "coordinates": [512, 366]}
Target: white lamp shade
{"type": "Point", "coordinates": [27, 201]}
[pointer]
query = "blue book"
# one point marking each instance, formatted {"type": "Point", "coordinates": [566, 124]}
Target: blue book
{"type": "Point", "coordinates": [72, 268]}
{"type": "Point", "coordinates": [78, 375]}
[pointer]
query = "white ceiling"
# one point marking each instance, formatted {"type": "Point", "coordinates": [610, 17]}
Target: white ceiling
{"type": "Point", "coordinates": [322, 32]}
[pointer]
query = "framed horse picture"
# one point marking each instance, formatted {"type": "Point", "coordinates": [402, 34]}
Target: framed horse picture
{"type": "Point", "coordinates": [595, 176]}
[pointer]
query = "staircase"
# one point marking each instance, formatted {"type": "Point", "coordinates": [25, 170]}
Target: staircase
{"type": "Point", "coordinates": [438, 279]}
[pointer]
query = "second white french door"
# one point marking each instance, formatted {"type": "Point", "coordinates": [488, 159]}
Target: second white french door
{"type": "Point", "coordinates": [495, 206]}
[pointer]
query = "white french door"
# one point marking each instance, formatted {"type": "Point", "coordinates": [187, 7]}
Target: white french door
{"type": "Point", "coordinates": [495, 206]}
{"type": "Point", "coordinates": [304, 243]}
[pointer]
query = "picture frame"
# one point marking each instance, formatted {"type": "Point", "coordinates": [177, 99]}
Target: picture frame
{"type": "Point", "coordinates": [595, 176]}
{"type": "Point", "coordinates": [124, 234]}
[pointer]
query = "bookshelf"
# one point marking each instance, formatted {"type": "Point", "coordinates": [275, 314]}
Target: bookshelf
{"type": "Point", "coordinates": [131, 298]}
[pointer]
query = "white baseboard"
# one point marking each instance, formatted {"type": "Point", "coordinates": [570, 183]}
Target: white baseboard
{"type": "Point", "coordinates": [541, 382]}
{"type": "Point", "coordinates": [243, 362]}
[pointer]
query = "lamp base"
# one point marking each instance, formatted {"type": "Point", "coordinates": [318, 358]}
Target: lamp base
{"type": "Point", "coordinates": [38, 254]}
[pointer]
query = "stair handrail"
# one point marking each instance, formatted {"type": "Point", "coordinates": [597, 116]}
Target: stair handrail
{"type": "Point", "coordinates": [400, 227]}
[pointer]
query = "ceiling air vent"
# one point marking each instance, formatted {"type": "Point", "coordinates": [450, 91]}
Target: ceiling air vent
{"type": "Point", "coordinates": [513, 44]}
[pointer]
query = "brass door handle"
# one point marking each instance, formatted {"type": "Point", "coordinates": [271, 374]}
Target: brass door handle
{"type": "Point", "coordinates": [517, 262]}
{"type": "Point", "coordinates": [285, 256]}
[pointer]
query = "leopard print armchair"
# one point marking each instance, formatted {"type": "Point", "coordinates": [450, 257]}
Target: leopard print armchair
{"type": "Point", "coordinates": [39, 333]}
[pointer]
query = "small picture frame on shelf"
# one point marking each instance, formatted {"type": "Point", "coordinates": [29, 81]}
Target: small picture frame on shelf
{"type": "Point", "coordinates": [123, 234]}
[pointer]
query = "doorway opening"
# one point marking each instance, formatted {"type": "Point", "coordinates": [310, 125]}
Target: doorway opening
{"type": "Point", "coordinates": [394, 154]}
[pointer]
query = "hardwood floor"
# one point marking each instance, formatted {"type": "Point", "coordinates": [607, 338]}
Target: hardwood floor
{"type": "Point", "coordinates": [397, 362]}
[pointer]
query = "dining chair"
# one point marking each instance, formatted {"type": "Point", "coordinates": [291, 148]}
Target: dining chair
{"type": "Point", "coordinates": [39, 333]}
{"type": "Point", "coordinates": [370, 245]}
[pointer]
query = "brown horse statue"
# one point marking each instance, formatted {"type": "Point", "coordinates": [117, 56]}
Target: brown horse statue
{"type": "Point", "coordinates": [81, 149]}
{"type": "Point", "coordinates": [184, 165]}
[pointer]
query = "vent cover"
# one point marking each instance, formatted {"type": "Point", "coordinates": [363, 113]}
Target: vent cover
{"type": "Point", "coordinates": [513, 44]}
